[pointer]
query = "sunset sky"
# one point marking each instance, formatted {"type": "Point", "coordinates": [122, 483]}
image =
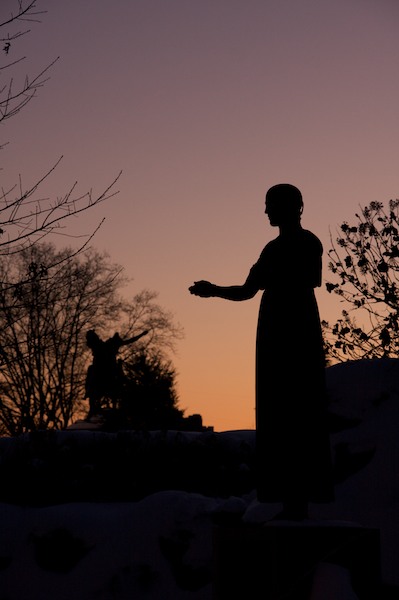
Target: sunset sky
{"type": "Point", "coordinates": [203, 105]}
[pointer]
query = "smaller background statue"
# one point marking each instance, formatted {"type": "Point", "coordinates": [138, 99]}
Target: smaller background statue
{"type": "Point", "coordinates": [105, 378]}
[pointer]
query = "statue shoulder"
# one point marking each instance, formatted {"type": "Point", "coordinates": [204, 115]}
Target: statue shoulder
{"type": "Point", "coordinates": [312, 240]}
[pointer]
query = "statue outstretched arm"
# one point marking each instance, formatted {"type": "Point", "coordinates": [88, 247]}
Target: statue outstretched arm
{"type": "Point", "coordinates": [134, 338]}
{"type": "Point", "coordinates": [205, 289]}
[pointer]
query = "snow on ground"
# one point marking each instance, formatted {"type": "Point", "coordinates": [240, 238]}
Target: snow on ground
{"type": "Point", "coordinates": [159, 547]}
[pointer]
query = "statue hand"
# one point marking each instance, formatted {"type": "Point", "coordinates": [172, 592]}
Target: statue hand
{"type": "Point", "coordinates": [204, 289]}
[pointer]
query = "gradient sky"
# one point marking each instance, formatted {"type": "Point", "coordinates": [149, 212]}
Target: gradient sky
{"type": "Point", "coordinates": [203, 105]}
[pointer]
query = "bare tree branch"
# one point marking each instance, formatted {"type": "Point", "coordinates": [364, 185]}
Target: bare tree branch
{"type": "Point", "coordinates": [23, 14]}
{"type": "Point", "coordinates": [24, 221]}
{"type": "Point", "coordinates": [13, 102]}
{"type": "Point", "coordinates": [25, 218]}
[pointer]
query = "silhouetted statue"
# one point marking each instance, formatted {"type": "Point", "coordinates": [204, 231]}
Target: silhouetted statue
{"type": "Point", "coordinates": [104, 378]}
{"type": "Point", "coordinates": [292, 438]}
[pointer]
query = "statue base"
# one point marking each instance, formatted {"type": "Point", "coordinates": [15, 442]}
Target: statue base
{"type": "Point", "coordinates": [283, 559]}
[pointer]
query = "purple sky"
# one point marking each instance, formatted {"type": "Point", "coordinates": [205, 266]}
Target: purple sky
{"type": "Point", "coordinates": [203, 105]}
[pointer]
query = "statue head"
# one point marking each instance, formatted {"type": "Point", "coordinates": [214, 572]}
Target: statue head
{"type": "Point", "coordinates": [283, 204]}
{"type": "Point", "coordinates": [92, 338]}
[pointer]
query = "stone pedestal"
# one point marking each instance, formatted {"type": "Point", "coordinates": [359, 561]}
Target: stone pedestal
{"type": "Point", "coordinates": [279, 559]}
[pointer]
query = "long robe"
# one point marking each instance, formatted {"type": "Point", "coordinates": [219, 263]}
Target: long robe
{"type": "Point", "coordinates": [292, 439]}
